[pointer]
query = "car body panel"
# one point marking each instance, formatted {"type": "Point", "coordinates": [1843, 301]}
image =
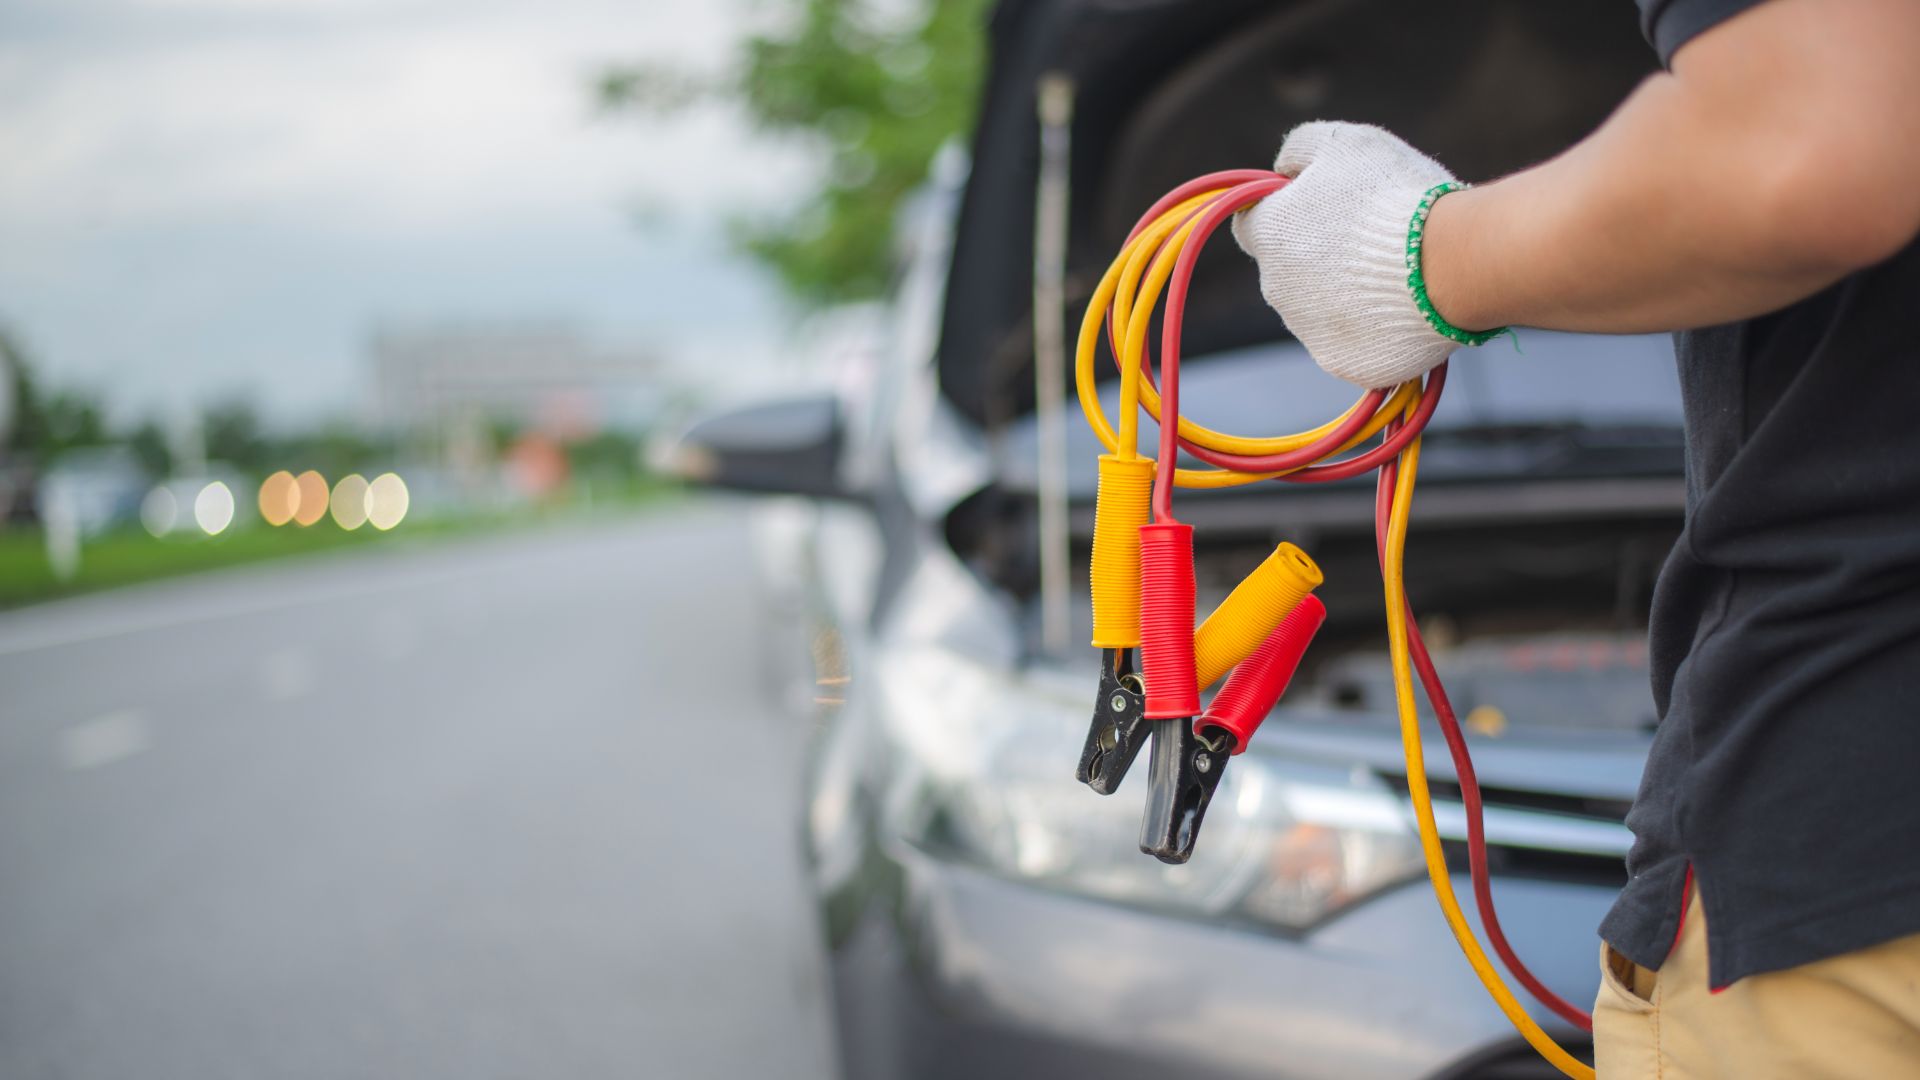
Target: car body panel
{"type": "Point", "coordinates": [962, 974]}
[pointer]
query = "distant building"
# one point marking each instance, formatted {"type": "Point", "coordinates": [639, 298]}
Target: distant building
{"type": "Point", "coordinates": [548, 377]}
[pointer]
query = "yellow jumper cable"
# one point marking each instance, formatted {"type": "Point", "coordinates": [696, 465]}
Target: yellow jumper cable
{"type": "Point", "coordinates": [1161, 251]}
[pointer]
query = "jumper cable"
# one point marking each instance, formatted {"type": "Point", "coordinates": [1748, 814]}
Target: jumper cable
{"type": "Point", "coordinates": [1143, 589]}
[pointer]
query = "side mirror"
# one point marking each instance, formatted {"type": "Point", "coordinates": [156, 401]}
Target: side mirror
{"type": "Point", "coordinates": [786, 447]}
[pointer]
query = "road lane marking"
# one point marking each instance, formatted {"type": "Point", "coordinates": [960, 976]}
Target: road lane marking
{"type": "Point", "coordinates": [105, 740]}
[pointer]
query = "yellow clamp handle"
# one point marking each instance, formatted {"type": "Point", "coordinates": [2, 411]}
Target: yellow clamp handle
{"type": "Point", "coordinates": [1252, 610]}
{"type": "Point", "coordinates": [1123, 504]}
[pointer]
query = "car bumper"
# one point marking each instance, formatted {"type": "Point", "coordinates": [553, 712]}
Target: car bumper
{"type": "Point", "coordinates": [963, 974]}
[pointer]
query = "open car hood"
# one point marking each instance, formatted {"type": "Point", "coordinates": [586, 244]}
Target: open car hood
{"type": "Point", "coordinates": [1168, 89]}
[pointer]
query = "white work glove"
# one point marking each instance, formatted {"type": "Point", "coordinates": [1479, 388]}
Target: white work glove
{"type": "Point", "coordinates": [1332, 249]}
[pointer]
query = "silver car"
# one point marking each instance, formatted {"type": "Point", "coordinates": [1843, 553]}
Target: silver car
{"type": "Point", "coordinates": [988, 916]}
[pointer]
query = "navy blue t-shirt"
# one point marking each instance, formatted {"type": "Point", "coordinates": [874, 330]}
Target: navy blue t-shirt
{"type": "Point", "coordinates": [1785, 633]}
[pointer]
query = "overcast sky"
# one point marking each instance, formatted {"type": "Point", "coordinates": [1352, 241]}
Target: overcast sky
{"type": "Point", "coordinates": [204, 198]}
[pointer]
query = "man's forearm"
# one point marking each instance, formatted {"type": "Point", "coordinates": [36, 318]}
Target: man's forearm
{"type": "Point", "coordinates": [1782, 154]}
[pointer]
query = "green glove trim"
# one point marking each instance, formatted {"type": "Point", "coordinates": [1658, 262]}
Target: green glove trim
{"type": "Point", "coordinates": [1417, 282]}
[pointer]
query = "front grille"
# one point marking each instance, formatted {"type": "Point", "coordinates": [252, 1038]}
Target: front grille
{"type": "Point", "coordinates": [1552, 802]}
{"type": "Point", "coordinates": [1519, 862]}
{"type": "Point", "coordinates": [1521, 828]}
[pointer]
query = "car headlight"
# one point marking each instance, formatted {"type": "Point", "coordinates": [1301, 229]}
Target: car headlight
{"type": "Point", "coordinates": [985, 773]}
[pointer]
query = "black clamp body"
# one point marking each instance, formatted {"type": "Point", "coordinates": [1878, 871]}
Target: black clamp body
{"type": "Point", "coordinates": [1120, 727]}
{"type": "Point", "coordinates": [1182, 775]}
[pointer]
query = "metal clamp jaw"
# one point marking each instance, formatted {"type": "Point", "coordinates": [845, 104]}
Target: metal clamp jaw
{"type": "Point", "coordinates": [1190, 756]}
{"type": "Point", "coordinates": [1182, 775]}
{"type": "Point", "coordinates": [1120, 727]}
{"type": "Point", "coordinates": [1183, 772]}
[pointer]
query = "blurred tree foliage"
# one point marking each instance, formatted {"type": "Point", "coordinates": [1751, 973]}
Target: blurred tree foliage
{"type": "Point", "coordinates": [232, 433]}
{"type": "Point", "coordinates": [608, 453]}
{"type": "Point", "coordinates": [335, 447]}
{"type": "Point", "coordinates": [43, 423]}
{"type": "Point", "coordinates": [878, 85]}
{"type": "Point", "coordinates": [38, 425]}
{"type": "Point", "coordinates": [148, 441]}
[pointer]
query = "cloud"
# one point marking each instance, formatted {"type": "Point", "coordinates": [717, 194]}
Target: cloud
{"type": "Point", "coordinates": [175, 168]}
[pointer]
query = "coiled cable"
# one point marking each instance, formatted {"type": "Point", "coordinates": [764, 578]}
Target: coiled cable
{"type": "Point", "coordinates": [1159, 256]}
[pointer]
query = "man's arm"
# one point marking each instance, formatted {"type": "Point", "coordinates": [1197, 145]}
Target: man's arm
{"type": "Point", "coordinates": [1780, 154]}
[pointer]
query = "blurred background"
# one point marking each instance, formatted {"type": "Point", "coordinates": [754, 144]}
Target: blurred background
{"type": "Point", "coordinates": [385, 300]}
{"type": "Point", "coordinates": [485, 247]}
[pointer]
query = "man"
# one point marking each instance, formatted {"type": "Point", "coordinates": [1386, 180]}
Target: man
{"type": "Point", "coordinates": [1762, 197]}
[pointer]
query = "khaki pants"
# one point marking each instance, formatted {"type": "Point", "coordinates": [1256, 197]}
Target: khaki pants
{"type": "Point", "coordinates": [1856, 1015]}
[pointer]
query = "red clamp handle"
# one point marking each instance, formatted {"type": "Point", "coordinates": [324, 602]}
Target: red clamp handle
{"type": "Point", "coordinates": [1256, 684]}
{"type": "Point", "coordinates": [1166, 621]}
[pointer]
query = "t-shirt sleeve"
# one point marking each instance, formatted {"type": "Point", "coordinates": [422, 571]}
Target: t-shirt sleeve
{"type": "Point", "coordinates": [1669, 24]}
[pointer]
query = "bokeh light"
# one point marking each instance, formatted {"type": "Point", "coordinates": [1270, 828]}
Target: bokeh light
{"type": "Point", "coordinates": [213, 508]}
{"type": "Point", "coordinates": [387, 501]}
{"type": "Point", "coordinates": [279, 498]}
{"type": "Point", "coordinates": [159, 512]}
{"type": "Point", "coordinates": [350, 502]}
{"type": "Point", "coordinates": [311, 505]}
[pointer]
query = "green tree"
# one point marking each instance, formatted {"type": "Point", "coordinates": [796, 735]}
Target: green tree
{"type": "Point", "coordinates": [45, 423]}
{"type": "Point", "coordinates": [232, 432]}
{"type": "Point", "coordinates": [148, 440]}
{"type": "Point", "coordinates": [23, 425]}
{"type": "Point", "coordinates": [878, 90]}
{"type": "Point", "coordinates": [334, 448]}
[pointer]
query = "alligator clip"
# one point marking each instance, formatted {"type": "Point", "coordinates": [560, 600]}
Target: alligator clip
{"type": "Point", "coordinates": [1120, 727]}
{"type": "Point", "coordinates": [1189, 757]}
{"type": "Point", "coordinates": [1182, 775]}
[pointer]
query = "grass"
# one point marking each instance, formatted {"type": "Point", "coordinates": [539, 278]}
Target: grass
{"type": "Point", "coordinates": [128, 556]}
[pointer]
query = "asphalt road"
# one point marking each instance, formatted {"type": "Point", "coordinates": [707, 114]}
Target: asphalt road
{"type": "Point", "coordinates": [509, 808]}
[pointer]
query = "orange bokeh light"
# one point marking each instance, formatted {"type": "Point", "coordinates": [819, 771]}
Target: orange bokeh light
{"type": "Point", "coordinates": [279, 498]}
{"type": "Point", "coordinates": [310, 503]}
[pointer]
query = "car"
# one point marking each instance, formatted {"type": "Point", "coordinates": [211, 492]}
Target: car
{"type": "Point", "coordinates": [984, 914]}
